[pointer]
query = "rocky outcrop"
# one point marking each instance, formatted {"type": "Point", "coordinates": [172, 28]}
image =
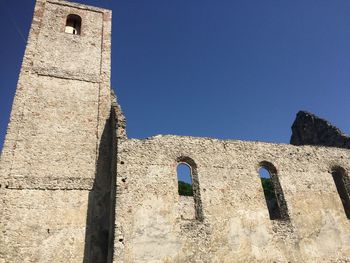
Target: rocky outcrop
{"type": "Point", "coordinates": [309, 129]}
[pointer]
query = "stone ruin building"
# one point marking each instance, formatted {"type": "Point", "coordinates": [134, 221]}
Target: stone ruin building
{"type": "Point", "coordinates": [74, 188]}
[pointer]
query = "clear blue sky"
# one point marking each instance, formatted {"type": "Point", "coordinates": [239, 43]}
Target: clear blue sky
{"type": "Point", "coordinates": [227, 69]}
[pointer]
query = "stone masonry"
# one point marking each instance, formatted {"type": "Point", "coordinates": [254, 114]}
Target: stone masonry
{"type": "Point", "coordinates": [57, 158]}
{"type": "Point", "coordinates": [74, 188]}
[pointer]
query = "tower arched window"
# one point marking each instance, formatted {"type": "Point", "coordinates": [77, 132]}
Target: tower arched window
{"type": "Point", "coordinates": [342, 183]}
{"type": "Point", "coordinates": [273, 193]}
{"type": "Point", "coordinates": [190, 205]}
{"type": "Point", "coordinates": [73, 24]}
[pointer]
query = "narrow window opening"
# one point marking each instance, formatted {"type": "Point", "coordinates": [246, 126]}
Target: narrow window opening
{"type": "Point", "coordinates": [73, 24]}
{"type": "Point", "coordinates": [190, 205]}
{"type": "Point", "coordinates": [184, 179]}
{"type": "Point", "coordinates": [341, 181]}
{"type": "Point", "coordinates": [269, 192]}
{"type": "Point", "coordinates": [273, 193]}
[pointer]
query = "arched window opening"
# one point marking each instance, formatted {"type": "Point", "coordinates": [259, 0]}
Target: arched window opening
{"type": "Point", "coordinates": [342, 184]}
{"type": "Point", "coordinates": [73, 24]}
{"type": "Point", "coordinates": [190, 205]}
{"type": "Point", "coordinates": [274, 197]}
{"type": "Point", "coordinates": [184, 179]}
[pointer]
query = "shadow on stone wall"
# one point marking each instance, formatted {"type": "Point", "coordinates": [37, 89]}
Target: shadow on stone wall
{"type": "Point", "coordinates": [100, 220]}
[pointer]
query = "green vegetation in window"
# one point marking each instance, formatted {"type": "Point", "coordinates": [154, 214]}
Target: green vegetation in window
{"type": "Point", "coordinates": [185, 189]}
{"type": "Point", "coordinates": [268, 188]}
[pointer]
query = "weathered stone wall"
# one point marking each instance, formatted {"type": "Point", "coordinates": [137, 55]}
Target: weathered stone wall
{"type": "Point", "coordinates": [74, 188]}
{"type": "Point", "coordinates": [236, 225]}
{"type": "Point", "coordinates": [42, 226]}
{"type": "Point", "coordinates": [55, 168]}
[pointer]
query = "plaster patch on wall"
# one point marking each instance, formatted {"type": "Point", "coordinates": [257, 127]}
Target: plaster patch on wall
{"type": "Point", "coordinates": [153, 238]}
{"type": "Point", "coordinates": [326, 239]}
{"type": "Point", "coordinates": [247, 234]}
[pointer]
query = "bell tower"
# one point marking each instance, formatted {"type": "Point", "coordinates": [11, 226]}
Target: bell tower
{"type": "Point", "coordinates": [56, 156]}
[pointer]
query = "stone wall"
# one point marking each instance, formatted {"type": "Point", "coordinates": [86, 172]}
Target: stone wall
{"type": "Point", "coordinates": [74, 188]}
{"type": "Point", "coordinates": [235, 225]}
{"type": "Point", "coordinates": [56, 164]}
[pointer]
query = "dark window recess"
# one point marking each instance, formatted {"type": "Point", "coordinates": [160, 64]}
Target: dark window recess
{"type": "Point", "coordinates": [184, 179]}
{"type": "Point", "coordinates": [73, 24]}
{"type": "Point", "coordinates": [188, 184]}
{"type": "Point", "coordinates": [342, 184]}
{"type": "Point", "coordinates": [274, 197]}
